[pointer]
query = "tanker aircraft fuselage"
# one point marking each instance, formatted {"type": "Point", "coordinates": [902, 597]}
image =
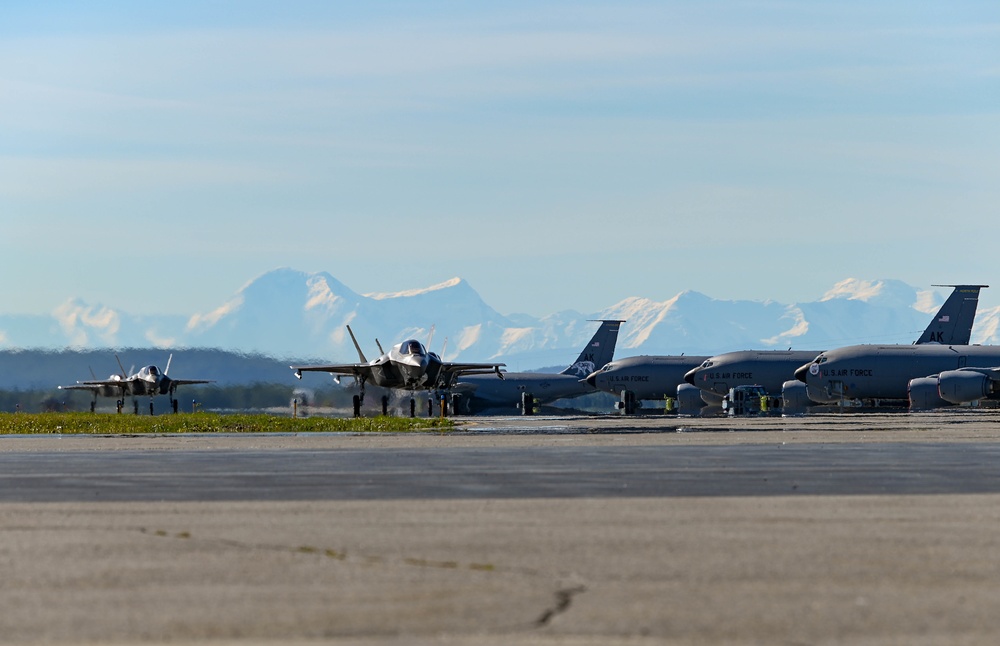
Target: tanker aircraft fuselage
{"type": "Point", "coordinates": [884, 372]}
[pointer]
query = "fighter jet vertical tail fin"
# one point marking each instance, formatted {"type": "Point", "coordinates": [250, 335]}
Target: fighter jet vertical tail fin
{"type": "Point", "coordinates": [361, 355]}
{"type": "Point", "coordinates": [952, 325]}
{"type": "Point", "coordinates": [124, 374]}
{"type": "Point", "coordinates": [598, 351]}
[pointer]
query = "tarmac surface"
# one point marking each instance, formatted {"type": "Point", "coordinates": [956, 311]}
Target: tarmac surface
{"type": "Point", "coordinates": [860, 528]}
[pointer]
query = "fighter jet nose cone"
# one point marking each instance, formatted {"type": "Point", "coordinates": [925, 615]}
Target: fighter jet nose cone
{"type": "Point", "coordinates": [689, 376]}
{"type": "Point", "coordinates": [801, 372]}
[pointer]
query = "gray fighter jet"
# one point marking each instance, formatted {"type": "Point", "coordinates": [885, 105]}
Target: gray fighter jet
{"type": "Point", "coordinates": [774, 369]}
{"type": "Point", "coordinates": [148, 381]}
{"type": "Point", "coordinates": [406, 366]}
{"type": "Point", "coordinates": [927, 375]}
{"type": "Point", "coordinates": [478, 392]}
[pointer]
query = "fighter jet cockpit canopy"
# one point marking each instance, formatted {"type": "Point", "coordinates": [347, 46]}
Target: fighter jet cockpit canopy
{"type": "Point", "coordinates": [150, 371]}
{"type": "Point", "coordinates": [412, 347]}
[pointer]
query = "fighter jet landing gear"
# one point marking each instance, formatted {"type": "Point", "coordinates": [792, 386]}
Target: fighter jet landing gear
{"type": "Point", "coordinates": [173, 405]}
{"type": "Point", "coordinates": [135, 406]}
{"type": "Point", "coordinates": [150, 407]}
{"type": "Point", "coordinates": [413, 406]}
{"type": "Point", "coordinates": [385, 404]}
{"type": "Point", "coordinates": [357, 405]}
{"type": "Point", "coordinates": [430, 407]}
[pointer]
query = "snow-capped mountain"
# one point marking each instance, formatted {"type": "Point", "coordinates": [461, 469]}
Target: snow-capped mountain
{"type": "Point", "coordinates": [293, 314]}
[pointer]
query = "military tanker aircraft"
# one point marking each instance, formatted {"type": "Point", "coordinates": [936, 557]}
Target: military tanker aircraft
{"type": "Point", "coordinates": [927, 376]}
{"type": "Point", "coordinates": [654, 377]}
{"type": "Point", "coordinates": [148, 381]}
{"type": "Point", "coordinates": [482, 392]}
{"type": "Point", "coordinates": [767, 368]}
{"type": "Point", "coordinates": [406, 366]}
{"type": "Point", "coordinates": [775, 369]}
{"type": "Point", "coordinates": [651, 377]}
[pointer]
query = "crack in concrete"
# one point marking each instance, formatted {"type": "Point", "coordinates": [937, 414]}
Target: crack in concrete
{"type": "Point", "coordinates": [564, 599]}
{"type": "Point", "coordinates": [335, 554]}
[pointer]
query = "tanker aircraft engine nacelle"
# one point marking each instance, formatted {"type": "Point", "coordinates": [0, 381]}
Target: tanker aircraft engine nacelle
{"type": "Point", "coordinates": [689, 398]}
{"type": "Point", "coordinates": [794, 397]}
{"type": "Point", "coordinates": [923, 394]}
{"type": "Point", "coordinates": [963, 386]}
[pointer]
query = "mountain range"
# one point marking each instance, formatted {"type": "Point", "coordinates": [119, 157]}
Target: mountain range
{"type": "Point", "coordinates": [292, 314]}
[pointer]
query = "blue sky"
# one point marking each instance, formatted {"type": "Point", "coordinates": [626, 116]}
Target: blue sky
{"type": "Point", "coordinates": [557, 155]}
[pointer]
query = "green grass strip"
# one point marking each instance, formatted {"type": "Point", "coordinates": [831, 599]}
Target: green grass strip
{"type": "Point", "coordinates": [126, 424]}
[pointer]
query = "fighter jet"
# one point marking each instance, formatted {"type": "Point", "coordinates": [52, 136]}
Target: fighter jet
{"type": "Point", "coordinates": [775, 369]}
{"type": "Point", "coordinates": [406, 366]}
{"type": "Point", "coordinates": [149, 380]}
{"type": "Point", "coordinates": [480, 392]}
{"type": "Point", "coordinates": [927, 375]}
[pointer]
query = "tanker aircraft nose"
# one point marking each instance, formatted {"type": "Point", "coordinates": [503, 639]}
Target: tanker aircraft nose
{"type": "Point", "coordinates": [691, 374]}
{"type": "Point", "coordinates": [601, 379]}
{"type": "Point", "coordinates": [802, 372]}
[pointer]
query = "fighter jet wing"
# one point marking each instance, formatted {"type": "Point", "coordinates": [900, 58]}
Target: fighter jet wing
{"type": "Point", "coordinates": [348, 369]}
{"type": "Point", "coordinates": [188, 382]}
{"type": "Point", "coordinates": [97, 385]}
{"type": "Point", "coordinates": [451, 371]}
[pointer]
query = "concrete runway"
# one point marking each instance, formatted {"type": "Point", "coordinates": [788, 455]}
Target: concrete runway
{"type": "Point", "coordinates": [878, 529]}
